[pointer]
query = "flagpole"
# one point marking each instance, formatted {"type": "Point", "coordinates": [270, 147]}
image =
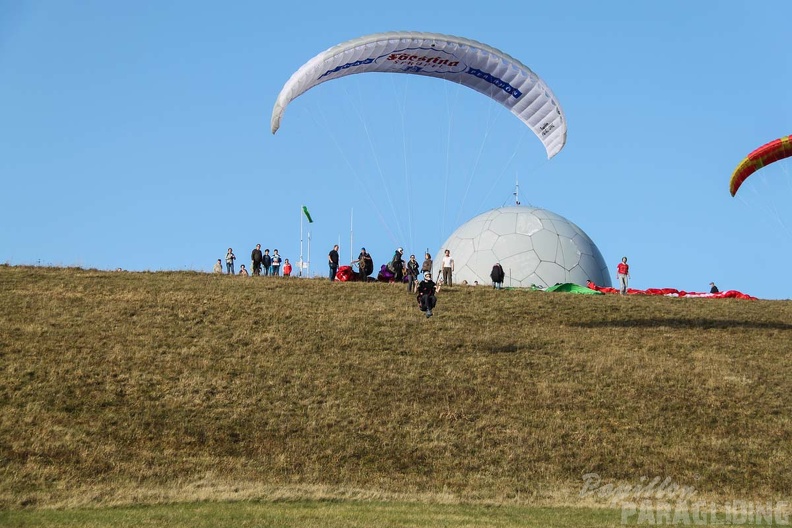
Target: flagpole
{"type": "Point", "coordinates": [301, 244]}
{"type": "Point", "coordinates": [351, 235]}
{"type": "Point", "coordinates": [310, 221]}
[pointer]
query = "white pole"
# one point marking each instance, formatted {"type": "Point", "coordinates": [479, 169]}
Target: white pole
{"type": "Point", "coordinates": [300, 265]}
{"type": "Point", "coordinates": [517, 191]}
{"type": "Point", "coordinates": [351, 235]}
{"type": "Point", "coordinates": [308, 267]}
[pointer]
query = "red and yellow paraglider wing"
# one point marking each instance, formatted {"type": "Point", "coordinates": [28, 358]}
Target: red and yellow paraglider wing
{"type": "Point", "coordinates": [765, 155]}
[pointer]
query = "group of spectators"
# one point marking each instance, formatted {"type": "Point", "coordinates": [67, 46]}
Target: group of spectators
{"type": "Point", "coordinates": [408, 271]}
{"type": "Point", "coordinates": [261, 263]}
{"type": "Point", "coordinates": [400, 270]}
{"type": "Point", "coordinates": [397, 267]}
{"type": "Point", "coordinates": [264, 263]}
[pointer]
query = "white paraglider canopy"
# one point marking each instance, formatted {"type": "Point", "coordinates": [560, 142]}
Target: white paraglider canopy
{"type": "Point", "coordinates": [467, 62]}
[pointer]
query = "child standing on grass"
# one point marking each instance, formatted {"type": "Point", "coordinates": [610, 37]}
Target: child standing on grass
{"type": "Point", "coordinates": [276, 263]}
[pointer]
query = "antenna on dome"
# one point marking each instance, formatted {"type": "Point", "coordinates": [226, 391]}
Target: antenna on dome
{"type": "Point", "coordinates": [516, 190]}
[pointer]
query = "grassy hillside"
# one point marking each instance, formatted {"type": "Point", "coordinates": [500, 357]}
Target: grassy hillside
{"type": "Point", "coordinates": [121, 387]}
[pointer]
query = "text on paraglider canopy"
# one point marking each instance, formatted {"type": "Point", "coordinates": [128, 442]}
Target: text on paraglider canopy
{"type": "Point", "coordinates": [430, 64]}
{"type": "Point", "coordinates": [404, 57]}
{"type": "Point", "coordinates": [347, 65]}
{"type": "Point", "coordinates": [500, 83]}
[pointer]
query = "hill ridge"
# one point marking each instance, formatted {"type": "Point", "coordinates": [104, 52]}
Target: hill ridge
{"type": "Point", "coordinates": [135, 383]}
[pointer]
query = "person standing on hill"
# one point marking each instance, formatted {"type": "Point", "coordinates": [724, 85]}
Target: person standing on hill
{"type": "Point", "coordinates": [230, 258]}
{"type": "Point", "coordinates": [397, 265]}
{"type": "Point", "coordinates": [276, 263]}
{"type": "Point", "coordinates": [713, 288]}
{"type": "Point", "coordinates": [427, 289]}
{"type": "Point", "coordinates": [287, 268]}
{"type": "Point", "coordinates": [266, 262]}
{"type": "Point", "coordinates": [412, 274]}
{"type": "Point", "coordinates": [256, 257]}
{"type": "Point", "coordinates": [448, 268]}
{"type": "Point", "coordinates": [623, 275]}
{"type": "Point", "coordinates": [365, 265]}
{"type": "Point", "coordinates": [332, 261]}
{"type": "Point", "coordinates": [497, 275]}
{"type": "Point", "coordinates": [427, 263]}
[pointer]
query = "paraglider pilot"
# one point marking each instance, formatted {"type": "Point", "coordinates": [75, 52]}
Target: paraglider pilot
{"type": "Point", "coordinates": [365, 264]}
{"type": "Point", "coordinates": [426, 294]}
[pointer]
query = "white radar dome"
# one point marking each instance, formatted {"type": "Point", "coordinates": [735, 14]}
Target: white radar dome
{"type": "Point", "coordinates": [534, 246]}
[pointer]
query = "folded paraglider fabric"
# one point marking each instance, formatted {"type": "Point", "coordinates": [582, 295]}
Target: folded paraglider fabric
{"type": "Point", "coordinates": [672, 292]}
{"type": "Point", "coordinates": [346, 273]}
{"type": "Point", "coordinates": [385, 275]}
{"type": "Point", "coordinates": [569, 287]}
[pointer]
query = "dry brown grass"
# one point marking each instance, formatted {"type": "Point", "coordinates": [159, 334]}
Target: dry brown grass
{"type": "Point", "coordinates": [121, 387]}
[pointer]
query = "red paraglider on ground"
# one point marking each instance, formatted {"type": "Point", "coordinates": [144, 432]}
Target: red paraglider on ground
{"type": "Point", "coordinates": [671, 292]}
{"type": "Point", "coordinates": [346, 274]}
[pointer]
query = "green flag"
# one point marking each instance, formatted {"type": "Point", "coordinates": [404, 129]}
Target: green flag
{"type": "Point", "coordinates": [307, 215]}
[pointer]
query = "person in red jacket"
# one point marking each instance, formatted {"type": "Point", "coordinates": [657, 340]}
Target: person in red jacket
{"type": "Point", "coordinates": [623, 275]}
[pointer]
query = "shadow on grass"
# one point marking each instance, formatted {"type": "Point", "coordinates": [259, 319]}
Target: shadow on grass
{"type": "Point", "coordinates": [677, 322]}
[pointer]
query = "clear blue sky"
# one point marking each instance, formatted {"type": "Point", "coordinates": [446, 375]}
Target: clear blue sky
{"type": "Point", "coordinates": [136, 134]}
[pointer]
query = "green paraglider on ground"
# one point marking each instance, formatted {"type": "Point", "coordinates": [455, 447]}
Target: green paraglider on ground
{"type": "Point", "coordinates": [569, 287]}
